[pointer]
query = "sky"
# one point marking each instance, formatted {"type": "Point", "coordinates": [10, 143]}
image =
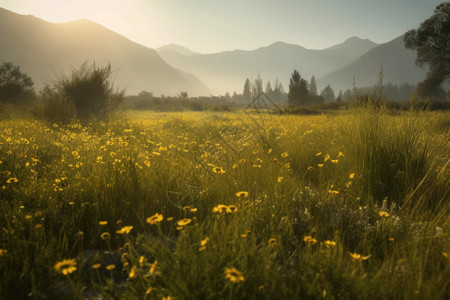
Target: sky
{"type": "Point", "coordinates": [209, 26]}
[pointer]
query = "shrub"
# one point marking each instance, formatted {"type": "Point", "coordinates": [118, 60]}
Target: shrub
{"type": "Point", "coordinates": [15, 86]}
{"type": "Point", "coordinates": [89, 90]}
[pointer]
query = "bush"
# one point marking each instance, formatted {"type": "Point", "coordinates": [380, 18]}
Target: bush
{"type": "Point", "coordinates": [15, 86]}
{"type": "Point", "coordinates": [88, 91]}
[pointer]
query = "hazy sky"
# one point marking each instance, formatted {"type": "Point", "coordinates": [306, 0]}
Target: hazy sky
{"type": "Point", "coordinates": [211, 26]}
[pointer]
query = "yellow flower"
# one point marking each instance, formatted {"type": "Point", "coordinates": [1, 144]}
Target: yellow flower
{"type": "Point", "coordinates": [285, 154]}
{"type": "Point", "coordinates": [184, 222]}
{"type": "Point", "coordinates": [124, 230]}
{"type": "Point", "coordinates": [319, 154]}
{"type": "Point", "coordinates": [110, 267]}
{"type": "Point", "coordinates": [153, 267]}
{"type": "Point", "coordinates": [149, 290]}
{"type": "Point", "coordinates": [391, 239]}
{"type": "Point", "coordinates": [341, 154]}
{"type": "Point", "coordinates": [329, 244]}
{"type": "Point", "coordinates": [273, 242]}
{"type": "Point", "coordinates": [132, 273]}
{"type": "Point", "coordinates": [356, 256]}
{"type": "Point", "coordinates": [320, 165]}
{"type": "Point", "coordinates": [103, 223]}
{"type": "Point", "coordinates": [445, 254]}
{"type": "Point", "coordinates": [280, 179]}
{"type": "Point", "coordinates": [105, 235]}
{"type": "Point", "coordinates": [242, 194]}
{"type": "Point", "coordinates": [351, 176]}
{"type": "Point", "coordinates": [75, 153]}
{"type": "Point", "coordinates": [383, 214]}
{"type": "Point", "coordinates": [155, 219]}
{"type": "Point", "coordinates": [203, 244]}
{"type": "Point", "coordinates": [218, 170]}
{"type": "Point", "coordinates": [12, 180]}
{"type": "Point", "coordinates": [309, 240]}
{"type": "Point", "coordinates": [142, 260]}
{"type": "Point", "coordinates": [28, 217]}
{"type": "Point", "coordinates": [96, 266]}
{"type": "Point", "coordinates": [234, 275]}
{"type": "Point", "coordinates": [310, 168]}
{"type": "Point", "coordinates": [3, 252]}
{"type": "Point", "coordinates": [66, 266]}
{"type": "Point", "coordinates": [327, 157]}
{"type": "Point", "coordinates": [334, 161]}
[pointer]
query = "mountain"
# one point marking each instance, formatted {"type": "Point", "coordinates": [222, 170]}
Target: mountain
{"type": "Point", "coordinates": [227, 71]}
{"type": "Point", "coordinates": [398, 67]}
{"type": "Point", "coordinates": [175, 48]}
{"type": "Point", "coordinates": [44, 50]}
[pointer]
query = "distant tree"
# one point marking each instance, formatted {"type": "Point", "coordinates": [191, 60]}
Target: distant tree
{"type": "Point", "coordinates": [257, 87]}
{"type": "Point", "coordinates": [269, 90]}
{"type": "Point", "coordinates": [246, 94]}
{"type": "Point", "coordinates": [145, 94]}
{"type": "Point", "coordinates": [278, 92]}
{"type": "Point", "coordinates": [339, 98]}
{"type": "Point", "coordinates": [298, 91]}
{"type": "Point", "coordinates": [313, 86]}
{"type": "Point", "coordinates": [15, 86]}
{"type": "Point", "coordinates": [183, 95]}
{"type": "Point", "coordinates": [432, 43]}
{"type": "Point", "coordinates": [328, 94]}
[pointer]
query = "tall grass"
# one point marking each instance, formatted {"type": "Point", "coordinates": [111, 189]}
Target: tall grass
{"type": "Point", "coordinates": [319, 191]}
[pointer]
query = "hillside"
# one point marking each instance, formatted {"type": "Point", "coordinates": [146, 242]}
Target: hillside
{"type": "Point", "coordinates": [226, 71]}
{"type": "Point", "coordinates": [398, 67]}
{"type": "Point", "coordinates": [44, 50]}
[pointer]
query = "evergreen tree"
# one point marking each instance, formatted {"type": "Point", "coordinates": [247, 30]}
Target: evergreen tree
{"type": "Point", "coordinates": [298, 90]}
{"type": "Point", "coordinates": [246, 94]}
{"type": "Point", "coordinates": [268, 88]}
{"type": "Point", "coordinates": [257, 87]}
{"type": "Point", "coordinates": [328, 94]}
{"type": "Point", "coordinates": [313, 86]}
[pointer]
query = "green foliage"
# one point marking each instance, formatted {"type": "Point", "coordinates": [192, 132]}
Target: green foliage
{"type": "Point", "coordinates": [431, 40]}
{"type": "Point", "coordinates": [15, 87]}
{"type": "Point", "coordinates": [328, 94]}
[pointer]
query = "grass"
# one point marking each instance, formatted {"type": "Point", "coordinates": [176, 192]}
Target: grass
{"type": "Point", "coordinates": [351, 205]}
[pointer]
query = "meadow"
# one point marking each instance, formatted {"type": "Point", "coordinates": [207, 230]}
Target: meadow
{"type": "Point", "coordinates": [202, 205]}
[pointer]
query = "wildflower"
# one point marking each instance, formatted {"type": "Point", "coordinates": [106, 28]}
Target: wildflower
{"type": "Point", "coordinates": [319, 154]}
{"type": "Point", "coordinates": [309, 240]}
{"type": "Point", "coordinates": [242, 194]}
{"type": "Point", "coordinates": [310, 168]}
{"type": "Point", "coordinates": [103, 223]}
{"type": "Point", "coordinates": [149, 290]}
{"type": "Point", "coordinates": [66, 266]}
{"type": "Point", "coordinates": [327, 157]}
{"type": "Point", "coordinates": [155, 219]}
{"type": "Point", "coordinates": [110, 267]}
{"type": "Point", "coordinates": [142, 260]}
{"type": "Point", "coordinates": [132, 273]}
{"type": "Point", "coordinates": [75, 153]}
{"type": "Point", "coordinates": [147, 163]}
{"type": "Point", "coordinates": [329, 244]}
{"type": "Point", "coordinates": [383, 214]}
{"type": "Point", "coordinates": [184, 222]}
{"type": "Point", "coordinates": [245, 234]}
{"type": "Point", "coordinates": [341, 154]}
{"type": "Point", "coordinates": [127, 130]}
{"type": "Point", "coordinates": [193, 209]}
{"type": "Point", "coordinates": [280, 179]}
{"type": "Point", "coordinates": [203, 244]}
{"type": "Point", "coordinates": [169, 219]}
{"type": "Point", "coordinates": [28, 217]}
{"type": "Point", "coordinates": [320, 165]}
{"type": "Point", "coordinates": [391, 239]}
{"type": "Point", "coordinates": [96, 266]}
{"type": "Point", "coordinates": [105, 235]}
{"type": "Point", "coordinates": [37, 226]}
{"type": "Point", "coordinates": [234, 275]}
{"type": "Point", "coordinates": [356, 256]}
{"type": "Point", "coordinates": [285, 154]}
{"type": "Point", "coordinates": [71, 203]}
{"type": "Point", "coordinates": [273, 242]}
{"type": "Point", "coordinates": [334, 161]}
{"type": "Point", "coordinates": [153, 267]}
{"type": "Point", "coordinates": [3, 252]}
{"type": "Point", "coordinates": [445, 254]}
{"type": "Point", "coordinates": [218, 170]}
{"type": "Point", "coordinates": [124, 230]}
{"type": "Point", "coordinates": [351, 176]}
{"type": "Point", "coordinates": [12, 180]}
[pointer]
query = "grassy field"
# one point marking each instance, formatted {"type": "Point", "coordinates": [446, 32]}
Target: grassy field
{"type": "Point", "coordinates": [350, 205]}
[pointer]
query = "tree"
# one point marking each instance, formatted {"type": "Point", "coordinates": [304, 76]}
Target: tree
{"type": "Point", "coordinates": [257, 87]}
{"type": "Point", "coordinates": [432, 43]}
{"type": "Point", "coordinates": [15, 86]}
{"type": "Point", "coordinates": [268, 88]}
{"type": "Point", "coordinates": [328, 94]}
{"type": "Point", "coordinates": [298, 91]}
{"type": "Point", "coordinates": [246, 94]}
{"type": "Point", "coordinates": [313, 86]}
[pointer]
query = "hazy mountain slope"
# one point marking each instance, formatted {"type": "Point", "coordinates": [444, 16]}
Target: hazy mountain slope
{"type": "Point", "coordinates": [398, 67]}
{"type": "Point", "coordinates": [44, 50]}
{"type": "Point", "coordinates": [226, 71]}
{"type": "Point", "coordinates": [175, 48]}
